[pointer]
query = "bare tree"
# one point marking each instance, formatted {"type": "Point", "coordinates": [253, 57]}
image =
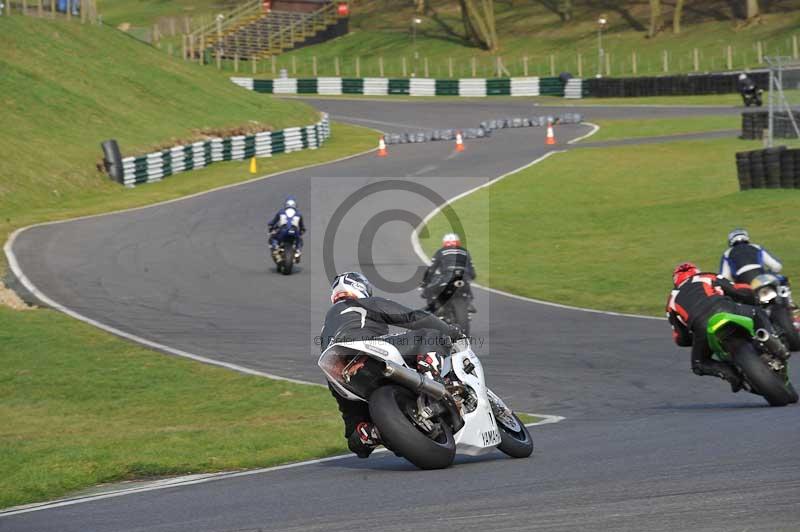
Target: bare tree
{"type": "Point", "coordinates": [565, 10]}
{"type": "Point", "coordinates": [656, 20]}
{"type": "Point", "coordinates": [479, 23]}
{"type": "Point", "coordinates": [421, 6]}
{"type": "Point", "coordinates": [676, 16]}
{"type": "Point", "coordinates": [752, 9]}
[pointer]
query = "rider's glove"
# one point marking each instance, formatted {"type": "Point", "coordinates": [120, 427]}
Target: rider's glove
{"type": "Point", "coordinates": [455, 333]}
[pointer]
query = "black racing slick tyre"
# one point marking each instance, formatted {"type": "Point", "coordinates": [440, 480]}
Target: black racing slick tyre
{"type": "Point", "coordinates": [287, 261]}
{"type": "Point", "coordinates": [764, 381]}
{"type": "Point", "coordinates": [784, 319]}
{"type": "Point", "coordinates": [389, 408]}
{"type": "Point", "coordinates": [793, 397]}
{"type": "Point", "coordinates": [461, 315]}
{"type": "Point", "coordinates": [515, 440]}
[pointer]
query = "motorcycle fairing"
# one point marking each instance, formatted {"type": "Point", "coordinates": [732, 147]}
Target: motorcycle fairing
{"type": "Point", "coordinates": [720, 320]}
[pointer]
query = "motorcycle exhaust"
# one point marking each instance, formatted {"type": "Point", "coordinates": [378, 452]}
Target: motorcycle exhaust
{"type": "Point", "coordinates": [413, 380]}
{"type": "Point", "coordinates": [762, 336]}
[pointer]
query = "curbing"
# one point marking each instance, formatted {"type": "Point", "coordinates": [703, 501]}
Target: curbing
{"type": "Point", "coordinates": [466, 87]}
{"type": "Point", "coordinates": [158, 165]}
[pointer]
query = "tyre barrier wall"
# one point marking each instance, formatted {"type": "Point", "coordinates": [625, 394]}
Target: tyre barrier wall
{"type": "Point", "coordinates": [755, 122]}
{"type": "Point", "coordinates": [769, 168]}
{"type": "Point", "coordinates": [468, 87]}
{"type": "Point", "coordinates": [158, 165]}
{"type": "Point", "coordinates": [669, 85]}
{"type": "Point", "coordinates": [485, 129]}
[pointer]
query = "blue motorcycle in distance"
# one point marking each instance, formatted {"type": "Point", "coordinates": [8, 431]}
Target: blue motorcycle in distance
{"type": "Point", "coordinates": [285, 242]}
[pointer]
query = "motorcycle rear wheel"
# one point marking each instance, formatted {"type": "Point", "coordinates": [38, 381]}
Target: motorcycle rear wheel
{"type": "Point", "coordinates": [764, 381]}
{"type": "Point", "coordinates": [388, 407]}
{"type": "Point", "coordinates": [461, 314]}
{"type": "Point", "coordinates": [287, 260]}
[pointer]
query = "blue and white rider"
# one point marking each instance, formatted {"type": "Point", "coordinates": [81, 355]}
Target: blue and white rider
{"type": "Point", "coordinates": [285, 220]}
{"type": "Point", "coordinates": [743, 261]}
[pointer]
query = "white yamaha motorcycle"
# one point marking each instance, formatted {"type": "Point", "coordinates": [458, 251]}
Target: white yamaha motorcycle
{"type": "Point", "coordinates": [422, 420]}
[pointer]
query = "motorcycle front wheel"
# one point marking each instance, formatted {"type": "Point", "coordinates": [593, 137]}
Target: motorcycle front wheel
{"type": "Point", "coordinates": [392, 409]}
{"type": "Point", "coordinates": [515, 440]}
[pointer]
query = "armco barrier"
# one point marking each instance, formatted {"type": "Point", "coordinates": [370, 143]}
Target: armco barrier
{"type": "Point", "coordinates": [467, 87]}
{"type": "Point", "coordinates": [158, 165]}
{"type": "Point", "coordinates": [768, 168]}
{"type": "Point", "coordinates": [694, 84]}
{"type": "Point", "coordinates": [755, 122]}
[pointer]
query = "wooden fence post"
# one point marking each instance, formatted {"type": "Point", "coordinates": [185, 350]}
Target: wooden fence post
{"type": "Point", "coordinates": [730, 57]}
{"type": "Point", "coordinates": [474, 68]}
{"type": "Point", "coordinates": [450, 66]}
{"type": "Point", "coordinates": [580, 65]}
{"type": "Point", "coordinates": [336, 66]}
{"type": "Point", "coordinates": [795, 48]}
{"type": "Point", "coordinates": [236, 62]}
{"type": "Point", "coordinates": [666, 61]}
{"type": "Point", "coordinates": [696, 59]}
{"type": "Point", "coordinates": [405, 67]}
{"type": "Point", "coordinates": [24, 7]}
{"type": "Point", "coordinates": [314, 65]}
{"type": "Point", "coordinates": [200, 45]}
{"type": "Point", "coordinates": [187, 25]}
{"type": "Point", "coordinates": [380, 67]}
{"type": "Point", "coordinates": [191, 47]}
{"type": "Point", "coordinates": [219, 59]}
{"type": "Point", "coordinates": [183, 47]}
{"type": "Point", "coordinates": [634, 61]}
{"type": "Point", "coordinates": [760, 51]}
{"type": "Point", "coordinates": [52, 9]}
{"type": "Point", "coordinates": [427, 74]}
{"type": "Point", "coordinates": [358, 67]}
{"type": "Point", "coordinates": [39, 9]}
{"type": "Point", "coordinates": [255, 64]}
{"type": "Point", "coordinates": [552, 65]}
{"type": "Point", "coordinates": [273, 67]}
{"type": "Point", "coordinates": [69, 9]}
{"type": "Point", "coordinates": [294, 65]}
{"type": "Point", "coordinates": [608, 63]}
{"type": "Point", "coordinates": [525, 65]}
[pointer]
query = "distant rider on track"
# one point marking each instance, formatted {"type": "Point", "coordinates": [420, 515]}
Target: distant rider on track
{"type": "Point", "coordinates": [743, 261]}
{"type": "Point", "coordinates": [357, 315]}
{"type": "Point", "coordinates": [451, 257]}
{"type": "Point", "coordinates": [696, 297]}
{"type": "Point", "coordinates": [282, 219]}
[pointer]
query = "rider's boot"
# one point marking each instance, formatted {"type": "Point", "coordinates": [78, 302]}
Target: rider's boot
{"type": "Point", "coordinates": [297, 255]}
{"type": "Point", "coordinates": [364, 439]}
{"type": "Point", "coordinates": [430, 365]}
{"type": "Point", "coordinates": [722, 371]}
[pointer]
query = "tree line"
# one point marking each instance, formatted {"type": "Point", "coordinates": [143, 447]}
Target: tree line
{"type": "Point", "coordinates": [478, 16]}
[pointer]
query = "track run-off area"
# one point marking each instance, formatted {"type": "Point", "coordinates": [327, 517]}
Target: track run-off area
{"type": "Point", "coordinates": [645, 444]}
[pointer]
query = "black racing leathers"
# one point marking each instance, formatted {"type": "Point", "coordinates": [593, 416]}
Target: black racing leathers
{"type": "Point", "coordinates": [692, 304]}
{"type": "Point", "coordinates": [370, 318]}
{"type": "Point", "coordinates": [447, 265]}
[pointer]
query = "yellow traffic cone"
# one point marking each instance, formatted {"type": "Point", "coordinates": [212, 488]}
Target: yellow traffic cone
{"type": "Point", "coordinates": [253, 166]}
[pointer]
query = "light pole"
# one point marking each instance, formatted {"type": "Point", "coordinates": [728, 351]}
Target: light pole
{"type": "Point", "coordinates": [601, 24]}
{"type": "Point", "coordinates": [414, 23]}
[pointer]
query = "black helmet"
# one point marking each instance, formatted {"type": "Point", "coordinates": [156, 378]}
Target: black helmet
{"type": "Point", "coordinates": [350, 285]}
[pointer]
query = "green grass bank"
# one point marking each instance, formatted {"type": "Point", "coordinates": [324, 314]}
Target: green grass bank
{"type": "Point", "coordinates": [607, 225]}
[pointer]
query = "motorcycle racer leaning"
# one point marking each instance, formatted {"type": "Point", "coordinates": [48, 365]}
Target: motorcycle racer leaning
{"type": "Point", "coordinates": [743, 261]}
{"type": "Point", "coordinates": [450, 257]}
{"type": "Point", "coordinates": [696, 297]}
{"type": "Point", "coordinates": [287, 215]}
{"type": "Point", "coordinates": [357, 315]}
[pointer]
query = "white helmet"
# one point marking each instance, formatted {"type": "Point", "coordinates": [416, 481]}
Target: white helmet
{"type": "Point", "coordinates": [738, 235]}
{"type": "Point", "coordinates": [742, 76]}
{"type": "Point", "coordinates": [290, 203]}
{"type": "Point", "coordinates": [350, 285]}
{"type": "Point", "coordinates": [451, 240]}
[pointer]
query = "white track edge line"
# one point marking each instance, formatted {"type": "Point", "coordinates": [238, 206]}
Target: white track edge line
{"type": "Point", "coordinates": [189, 480]}
{"type": "Point", "coordinates": [425, 259]}
{"type": "Point", "coordinates": [28, 284]}
{"type": "Point", "coordinates": [595, 129]}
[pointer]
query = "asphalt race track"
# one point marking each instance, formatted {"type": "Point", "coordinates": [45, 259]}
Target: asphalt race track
{"type": "Point", "coordinates": [646, 445]}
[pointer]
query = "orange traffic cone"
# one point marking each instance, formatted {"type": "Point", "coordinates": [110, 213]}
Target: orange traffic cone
{"type": "Point", "coordinates": [459, 141]}
{"type": "Point", "coordinates": [382, 148]}
{"type": "Point", "coordinates": [551, 137]}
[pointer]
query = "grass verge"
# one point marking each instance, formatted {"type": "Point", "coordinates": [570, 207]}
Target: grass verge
{"type": "Point", "coordinates": [608, 238]}
{"type": "Point", "coordinates": [81, 407]}
{"type": "Point", "coordinates": [626, 129]}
